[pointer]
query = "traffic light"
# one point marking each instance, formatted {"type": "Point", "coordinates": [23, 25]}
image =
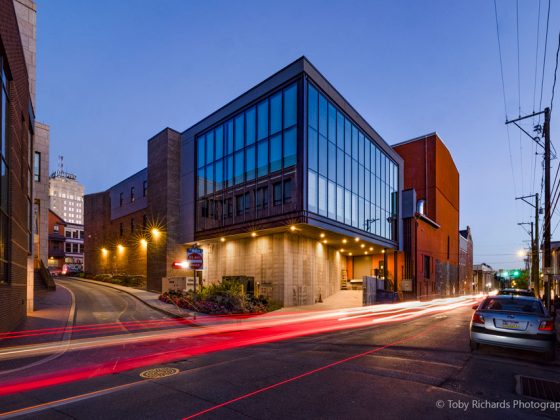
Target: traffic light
{"type": "Point", "coordinates": [515, 274]}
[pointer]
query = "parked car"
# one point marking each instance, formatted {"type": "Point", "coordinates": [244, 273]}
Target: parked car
{"type": "Point", "coordinates": [517, 292]}
{"type": "Point", "coordinates": [513, 321]}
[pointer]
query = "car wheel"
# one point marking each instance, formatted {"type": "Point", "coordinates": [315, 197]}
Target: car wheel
{"type": "Point", "coordinates": [474, 345]}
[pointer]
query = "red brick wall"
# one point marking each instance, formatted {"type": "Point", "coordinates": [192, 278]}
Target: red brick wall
{"type": "Point", "coordinates": [430, 170]}
{"type": "Point", "coordinates": [13, 293]}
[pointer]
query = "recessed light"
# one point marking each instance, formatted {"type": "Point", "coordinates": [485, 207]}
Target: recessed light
{"type": "Point", "coordinates": [222, 239]}
{"type": "Point", "coordinates": [322, 235]}
{"type": "Point", "coordinates": [253, 234]}
{"type": "Point", "coordinates": [357, 239]}
{"type": "Point", "coordinates": [344, 241]}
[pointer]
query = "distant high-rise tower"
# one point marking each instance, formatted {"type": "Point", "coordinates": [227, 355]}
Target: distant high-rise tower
{"type": "Point", "coordinates": [66, 195]}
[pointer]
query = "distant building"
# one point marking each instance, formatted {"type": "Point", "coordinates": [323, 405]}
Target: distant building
{"type": "Point", "coordinates": [17, 121]}
{"type": "Point", "coordinates": [66, 245]}
{"type": "Point", "coordinates": [66, 195]}
{"type": "Point", "coordinates": [430, 214]}
{"type": "Point", "coordinates": [484, 279]}
{"type": "Point", "coordinates": [465, 260]}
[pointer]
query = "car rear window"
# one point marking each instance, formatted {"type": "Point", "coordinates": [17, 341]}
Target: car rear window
{"type": "Point", "coordinates": [513, 305]}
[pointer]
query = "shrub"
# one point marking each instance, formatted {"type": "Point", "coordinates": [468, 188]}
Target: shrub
{"type": "Point", "coordinates": [224, 298]}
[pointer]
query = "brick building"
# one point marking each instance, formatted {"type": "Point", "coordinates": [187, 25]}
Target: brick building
{"type": "Point", "coordinates": [16, 134]}
{"type": "Point", "coordinates": [430, 218]}
{"type": "Point", "coordinates": [286, 185]}
{"type": "Point", "coordinates": [466, 260]}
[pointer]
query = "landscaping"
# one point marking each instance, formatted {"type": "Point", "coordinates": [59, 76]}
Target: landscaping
{"type": "Point", "coordinates": [220, 299]}
{"type": "Point", "coordinates": [136, 281]}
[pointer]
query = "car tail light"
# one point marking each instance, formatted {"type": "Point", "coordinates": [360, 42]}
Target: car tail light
{"type": "Point", "coordinates": [546, 325]}
{"type": "Point", "coordinates": [477, 318]}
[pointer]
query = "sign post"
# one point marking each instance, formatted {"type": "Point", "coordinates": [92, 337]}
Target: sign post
{"type": "Point", "coordinates": [196, 262]}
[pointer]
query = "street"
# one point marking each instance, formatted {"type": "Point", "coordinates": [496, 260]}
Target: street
{"type": "Point", "coordinates": [400, 368]}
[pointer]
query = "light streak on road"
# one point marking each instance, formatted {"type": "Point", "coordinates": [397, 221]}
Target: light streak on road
{"type": "Point", "coordinates": [220, 333]}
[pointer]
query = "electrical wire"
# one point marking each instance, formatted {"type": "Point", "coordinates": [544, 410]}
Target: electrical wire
{"type": "Point", "coordinates": [504, 94]}
{"type": "Point", "coordinates": [555, 71]}
{"type": "Point", "coordinates": [544, 59]}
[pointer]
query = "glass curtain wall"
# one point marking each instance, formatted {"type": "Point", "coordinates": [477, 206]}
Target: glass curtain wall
{"type": "Point", "coordinates": [350, 179]}
{"type": "Point", "coordinates": [254, 143]}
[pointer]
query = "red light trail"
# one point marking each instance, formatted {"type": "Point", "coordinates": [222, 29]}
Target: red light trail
{"type": "Point", "coordinates": [197, 341]}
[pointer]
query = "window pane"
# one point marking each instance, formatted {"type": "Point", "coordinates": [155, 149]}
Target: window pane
{"type": "Point", "coordinates": [354, 177]}
{"type": "Point", "coordinates": [361, 148]}
{"type": "Point", "coordinates": [312, 107]}
{"type": "Point", "coordinates": [312, 149]}
{"type": "Point", "coordinates": [219, 174]}
{"type": "Point", "coordinates": [290, 147]}
{"type": "Point", "coordinates": [209, 179]}
{"type": "Point", "coordinates": [340, 204]}
{"type": "Point", "coordinates": [276, 153]}
{"type": "Point", "coordinates": [276, 113]}
{"type": "Point", "coordinates": [361, 203]}
{"type": "Point", "coordinates": [201, 156]}
{"type": "Point", "coordinates": [229, 135]}
{"type": "Point", "coordinates": [332, 161]}
{"type": "Point", "coordinates": [239, 132]}
{"type": "Point", "coordinates": [323, 158]}
{"type": "Point", "coordinates": [210, 147]}
{"type": "Point", "coordinates": [347, 207]}
{"type": "Point", "coordinates": [3, 118]}
{"type": "Point", "coordinates": [347, 137]}
{"type": "Point", "coordinates": [354, 210]}
{"type": "Point", "coordinates": [348, 172]}
{"type": "Point", "coordinates": [361, 179]}
{"type": "Point", "coordinates": [340, 130]}
{"type": "Point", "coordinates": [322, 196]}
{"type": "Point", "coordinates": [287, 190]}
{"type": "Point", "coordinates": [250, 116]}
{"type": "Point", "coordinates": [312, 191]}
{"type": "Point", "coordinates": [239, 167]}
{"type": "Point", "coordinates": [263, 119]}
{"type": "Point", "coordinates": [322, 115]}
{"type": "Point", "coordinates": [332, 200]}
{"type": "Point", "coordinates": [354, 143]}
{"type": "Point", "coordinates": [250, 162]}
{"type": "Point", "coordinates": [229, 171]}
{"type": "Point", "coordinates": [367, 153]}
{"type": "Point", "coordinates": [367, 187]}
{"type": "Point", "coordinates": [277, 193]}
{"type": "Point", "coordinates": [262, 158]}
{"type": "Point", "coordinates": [332, 123]}
{"type": "Point", "coordinates": [219, 137]}
{"type": "Point", "coordinates": [340, 167]}
{"type": "Point", "coordinates": [201, 182]}
{"type": "Point", "coordinates": [290, 106]}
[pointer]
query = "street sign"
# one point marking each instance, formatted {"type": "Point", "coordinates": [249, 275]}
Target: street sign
{"type": "Point", "coordinates": [195, 258]}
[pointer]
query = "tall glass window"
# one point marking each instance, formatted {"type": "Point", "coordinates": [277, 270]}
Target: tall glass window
{"type": "Point", "coordinates": [354, 181]}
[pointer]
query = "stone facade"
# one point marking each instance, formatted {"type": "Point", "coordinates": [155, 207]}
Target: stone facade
{"type": "Point", "coordinates": [41, 143]}
{"type": "Point", "coordinates": [286, 267]}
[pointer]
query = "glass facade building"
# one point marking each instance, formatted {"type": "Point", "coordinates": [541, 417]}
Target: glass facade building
{"type": "Point", "coordinates": [293, 148]}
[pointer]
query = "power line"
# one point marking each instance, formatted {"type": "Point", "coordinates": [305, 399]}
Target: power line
{"type": "Point", "coordinates": [555, 71]}
{"type": "Point", "coordinates": [544, 59]}
{"type": "Point", "coordinates": [504, 94]}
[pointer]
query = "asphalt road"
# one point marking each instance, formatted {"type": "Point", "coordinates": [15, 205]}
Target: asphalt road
{"type": "Point", "coordinates": [399, 370]}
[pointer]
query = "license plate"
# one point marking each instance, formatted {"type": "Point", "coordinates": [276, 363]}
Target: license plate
{"type": "Point", "coordinates": [512, 325]}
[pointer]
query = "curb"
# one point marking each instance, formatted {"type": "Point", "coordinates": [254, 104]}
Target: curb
{"type": "Point", "coordinates": [156, 308]}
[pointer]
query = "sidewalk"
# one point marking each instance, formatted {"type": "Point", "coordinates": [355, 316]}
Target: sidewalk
{"type": "Point", "coordinates": [340, 300]}
{"type": "Point", "coordinates": [53, 309]}
{"type": "Point", "coordinates": [150, 299]}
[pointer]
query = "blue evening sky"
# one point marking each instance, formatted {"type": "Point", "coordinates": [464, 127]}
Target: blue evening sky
{"type": "Point", "coordinates": [110, 74]}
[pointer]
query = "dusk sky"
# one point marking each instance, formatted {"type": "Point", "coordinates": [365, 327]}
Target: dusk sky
{"type": "Point", "coordinates": [111, 74]}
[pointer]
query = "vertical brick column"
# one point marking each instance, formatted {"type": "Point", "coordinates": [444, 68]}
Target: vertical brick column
{"type": "Point", "coordinates": [164, 154]}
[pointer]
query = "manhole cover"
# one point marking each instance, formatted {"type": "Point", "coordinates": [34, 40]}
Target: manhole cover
{"type": "Point", "coordinates": [538, 388]}
{"type": "Point", "coordinates": [159, 373]}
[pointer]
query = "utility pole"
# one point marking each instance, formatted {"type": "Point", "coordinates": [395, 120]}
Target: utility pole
{"type": "Point", "coordinates": [536, 248]}
{"type": "Point", "coordinates": [535, 277]}
{"type": "Point", "coordinates": [534, 267]}
{"type": "Point", "coordinates": [547, 221]}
